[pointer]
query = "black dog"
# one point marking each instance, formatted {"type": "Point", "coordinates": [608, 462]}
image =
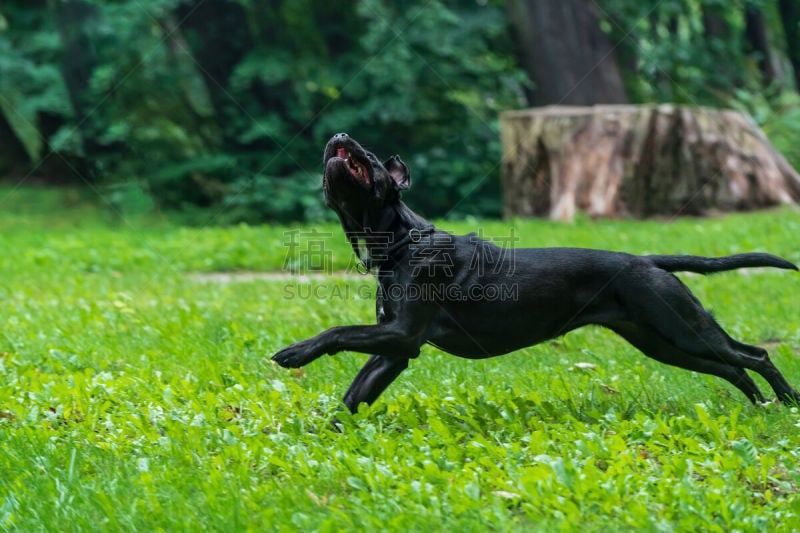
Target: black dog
{"type": "Point", "coordinates": [475, 300]}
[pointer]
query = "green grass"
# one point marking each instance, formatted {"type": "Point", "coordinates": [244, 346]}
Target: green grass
{"type": "Point", "coordinates": [135, 397]}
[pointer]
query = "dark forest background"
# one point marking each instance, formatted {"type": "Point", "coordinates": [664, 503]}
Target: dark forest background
{"type": "Point", "coordinates": [185, 105]}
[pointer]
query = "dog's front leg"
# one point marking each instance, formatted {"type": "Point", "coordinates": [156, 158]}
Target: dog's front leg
{"type": "Point", "coordinates": [373, 378]}
{"type": "Point", "coordinates": [376, 374]}
{"type": "Point", "coordinates": [390, 339]}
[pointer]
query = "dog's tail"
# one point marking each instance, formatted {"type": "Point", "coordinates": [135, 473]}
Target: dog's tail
{"type": "Point", "coordinates": [709, 265]}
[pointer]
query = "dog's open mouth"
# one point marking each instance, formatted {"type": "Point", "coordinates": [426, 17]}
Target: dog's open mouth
{"type": "Point", "coordinates": [356, 168]}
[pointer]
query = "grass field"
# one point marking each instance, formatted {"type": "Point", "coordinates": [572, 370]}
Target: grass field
{"type": "Point", "coordinates": [135, 395]}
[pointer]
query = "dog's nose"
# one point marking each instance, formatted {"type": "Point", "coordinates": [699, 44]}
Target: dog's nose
{"type": "Point", "coordinates": [340, 137]}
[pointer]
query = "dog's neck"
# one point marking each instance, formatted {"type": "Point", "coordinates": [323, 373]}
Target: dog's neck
{"type": "Point", "coordinates": [383, 231]}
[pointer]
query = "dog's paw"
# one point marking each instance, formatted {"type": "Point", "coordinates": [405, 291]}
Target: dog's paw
{"type": "Point", "coordinates": [296, 355]}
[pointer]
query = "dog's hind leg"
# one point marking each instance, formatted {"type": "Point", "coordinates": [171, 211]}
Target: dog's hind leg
{"type": "Point", "coordinates": [662, 303]}
{"type": "Point", "coordinates": [756, 358]}
{"type": "Point", "coordinates": [373, 378]}
{"type": "Point", "coordinates": [654, 345]}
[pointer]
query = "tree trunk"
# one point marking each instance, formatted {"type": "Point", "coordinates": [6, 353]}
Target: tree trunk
{"type": "Point", "coordinates": [755, 30]}
{"type": "Point", "coordinates": [790, 17]}
{"type": "Point", "coordinates": [717, 36]}
{"type": "Point", "coordinates": [217, 33]}
{"type": "Point", "coordinates": [613, 161]}
{"type": "Point", "coordinates": [11, 148]}
{"type": "Point", "coordinates": [565, 53]}
{"type": "Point", "coordinates": [78, 60]}
{"type": "Point", "coordinates": [715, 25]}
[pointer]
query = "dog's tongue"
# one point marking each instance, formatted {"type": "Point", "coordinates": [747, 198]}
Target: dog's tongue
{"type": "Point", "coordinates": [341, 152]}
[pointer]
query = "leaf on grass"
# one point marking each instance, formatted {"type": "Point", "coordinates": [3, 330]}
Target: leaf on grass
{"type": "Point", "coordinates": [143, 464]}
{"type": "Point", "coordinates": [584, 366]}
{"type": "Point", "coordinates": [608, 390]}
{"type": "Point", "coordinates": [356, 483]}
{"type": "Point", "coordinates": [746, 450]}
{"type": "Point", "coordinates": [316, 499]}
{"type": "Point", "coordinates": [506, 494]}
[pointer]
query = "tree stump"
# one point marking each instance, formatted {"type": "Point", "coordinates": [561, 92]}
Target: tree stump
{"type": "Point", "coordinates": [620, 160]}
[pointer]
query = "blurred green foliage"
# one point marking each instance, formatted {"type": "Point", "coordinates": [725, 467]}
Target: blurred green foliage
{"type": "Point", "coordinates": [184, 104]}
{"type": "Point", "coordinates": [228, 104]}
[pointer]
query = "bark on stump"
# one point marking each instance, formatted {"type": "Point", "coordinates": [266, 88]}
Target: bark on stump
{"type": "Point", "coordinates": [619, 160]}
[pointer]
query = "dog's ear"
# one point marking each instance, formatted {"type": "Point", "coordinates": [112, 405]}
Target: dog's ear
{"type": "Point", "coordinates": [399, 172]}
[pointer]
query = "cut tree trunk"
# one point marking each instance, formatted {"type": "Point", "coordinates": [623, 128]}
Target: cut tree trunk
{"type": "Point", "coordinates": [639, 161]}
